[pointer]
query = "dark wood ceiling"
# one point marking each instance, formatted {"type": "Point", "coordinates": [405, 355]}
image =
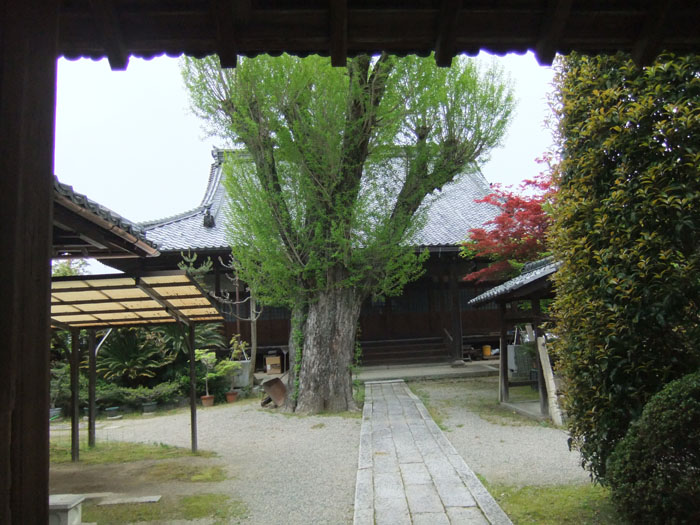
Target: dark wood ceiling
{"type": "Point", "coordinates": [340, 28]}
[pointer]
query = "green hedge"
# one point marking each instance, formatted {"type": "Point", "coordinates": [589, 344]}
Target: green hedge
{"type": "Point", "coordinates": [654, 472]}
{"type": "Point", "coordinates": [627, 230]}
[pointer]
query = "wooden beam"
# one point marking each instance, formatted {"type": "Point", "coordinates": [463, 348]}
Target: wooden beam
{"type": "Point", "coordinates": [648, 45]}
{"type": "Point", "coordinates": [28, 51]}
{"type": "Point", "coordinates": [225, 32]}
{"type": "Point", "coordinates": [111, 33]}
{"type": "Point", "coordinates": [338, 10]}
{"type": "Point", "coordinates": [553, 23]}
{"type": "Point", "coordinates": [74, 394]}
{"type": "Point", "coordinates": [553, 404]}
{"type": "Point", "coordinates": [446, 30]}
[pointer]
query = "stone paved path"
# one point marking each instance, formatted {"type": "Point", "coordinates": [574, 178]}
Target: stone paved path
{"type": "Point", "coordinates": [408, 472]}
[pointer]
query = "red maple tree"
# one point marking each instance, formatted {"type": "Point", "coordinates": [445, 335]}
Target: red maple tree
{"type": "Point", "coordinates": [518, 234]}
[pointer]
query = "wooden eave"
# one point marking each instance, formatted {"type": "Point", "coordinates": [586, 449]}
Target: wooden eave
{"type": "Point", "coordinates": [117, 29]}
{"type": "Point", "coordinates": [78, 232]}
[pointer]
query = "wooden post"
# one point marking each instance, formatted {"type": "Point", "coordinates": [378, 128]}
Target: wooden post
{"type": "Point", "coordinates": [92, 378]}
{"type": "Point", "coordinates": [549, 379]}
{"type": "Point", "coordinates": [193, 388]}
{"type": "Point", "coordinates": [503, 393]}
{"type": "Point", "coordinates": [456, 315]}
{"type": "Point", "coordinates": [74, 394]}
{"type": "Point", "coordinates": [541, 385]}
{"type": "Point", "coordinates": [28, 51]}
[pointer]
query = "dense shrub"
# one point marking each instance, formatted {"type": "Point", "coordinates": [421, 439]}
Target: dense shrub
{"type": "Point", "coordinates": [109, 394]}
{"type": "Point", "coordinates": [654, 471]}
{"type": "Point", "coordinates": [627, 230]}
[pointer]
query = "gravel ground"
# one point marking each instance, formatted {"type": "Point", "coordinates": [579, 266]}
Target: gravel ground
{"type": "Point", "coordinates": [502, 446]}
{"type": "Point", "coordinates": [301, 470]}
{"type": "Point", "coordinates": [287, 469]}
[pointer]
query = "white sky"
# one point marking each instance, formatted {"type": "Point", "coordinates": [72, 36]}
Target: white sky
{"type": "Point", "coordinates": [128, 141]}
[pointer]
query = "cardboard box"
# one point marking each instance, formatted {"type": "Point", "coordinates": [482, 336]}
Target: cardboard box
{"type": "Point", "coordinates": [273, 365]}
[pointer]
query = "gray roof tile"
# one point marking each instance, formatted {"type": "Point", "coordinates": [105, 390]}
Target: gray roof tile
{"type": "Point", "coordinates": [451, 214]}
{"type": "Point", "coordinates": [531, 272]}
{"type": "Point", "coordinates": [101, 211]}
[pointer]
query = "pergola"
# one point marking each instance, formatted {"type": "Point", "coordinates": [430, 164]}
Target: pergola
{"type": "Point", "coordinates": [34, 33]}
{"type": "Point", "coordinates": [114, 301]}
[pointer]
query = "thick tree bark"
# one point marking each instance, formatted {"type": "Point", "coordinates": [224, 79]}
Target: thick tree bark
{"type": "Point", "coordinates": [325, 381]}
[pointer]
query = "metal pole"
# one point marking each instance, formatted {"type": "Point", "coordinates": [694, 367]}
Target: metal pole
{"type": "Point", "coordinates": [193, 388]}
{"type": "Point", "coordinates": [75, 396]}
{"type": "Point", "coordinates": [92, 377]}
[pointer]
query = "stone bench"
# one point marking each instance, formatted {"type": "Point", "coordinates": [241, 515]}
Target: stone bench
{"type": "Point", "coordinates": [65, 509]}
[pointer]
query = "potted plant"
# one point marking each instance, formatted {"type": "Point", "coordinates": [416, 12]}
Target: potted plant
{"type": "Point", "coordinates": [228, 368]}
{"type": "Point", "coordinates": [240, 377]}
{"type": "Point", "coordinates": [208, 359]}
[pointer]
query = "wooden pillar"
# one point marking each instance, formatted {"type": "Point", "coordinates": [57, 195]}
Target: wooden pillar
{"type": "Point", "coordinates": [193, 387]}
{"type": "Point", "coordinates": [28, 47]}
{"type": "Point", "coordinates": [456, 315]}
{"type": "Point", "coordinates": [92, 380]}
{"type": "Point", "coordinates": [503, 394]}
{"type": "Point", "coordinates": [75, 394]}
{"type": "Point", "coordinates": [541, 384]}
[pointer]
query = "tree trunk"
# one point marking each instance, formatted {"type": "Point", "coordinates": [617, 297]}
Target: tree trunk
{"type": "Point", "coordinates": [325, 381]}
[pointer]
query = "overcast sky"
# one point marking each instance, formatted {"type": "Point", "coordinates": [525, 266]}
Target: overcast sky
{"type": "Point", "coordinates": [128, 140]}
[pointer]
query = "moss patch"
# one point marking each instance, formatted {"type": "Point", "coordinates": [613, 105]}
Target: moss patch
{"type": "Point", "coordinates": [218, 506]}
{"type": "Point", "coordinates": [556, 505]}
{"type": "Point", "coordinates": [178, 471]}
{"type": "Point", "coordinates": [117, 452]}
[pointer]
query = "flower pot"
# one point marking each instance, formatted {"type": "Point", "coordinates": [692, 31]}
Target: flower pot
{"type": "Point", "coordinates": [231, 396]}
{"type": "Point", "coordinates": [149, 406]}
{"type": "Point", "coordinates": [207, 401]}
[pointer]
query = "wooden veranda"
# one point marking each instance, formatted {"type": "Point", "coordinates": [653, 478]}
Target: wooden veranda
{"type": "Point", "coordinates": [34, 33]}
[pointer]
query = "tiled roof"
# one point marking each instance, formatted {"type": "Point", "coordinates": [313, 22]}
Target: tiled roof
{"type": "Point", "coordinates": [531, 272]}
{"type": "Point", "coordinates": [450, 216]}
{"type": "Point", "coordinates": [66, 191]}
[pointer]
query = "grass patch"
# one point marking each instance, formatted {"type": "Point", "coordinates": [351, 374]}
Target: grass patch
{"type": "Point", "coordinates": [480, 396]}
{"type": "Point", "coordinates": [358, 393]}
{"type": "Point", "coordinates": [117, 452]}
{"type": "Point", "coordinates": [218, 506]}
{"type": "Point", "coordinates": [176, 471]}
{"type": "Point", "coordinates": [433, 408]}
{"type": "Point", "coordinates": [318, 425]}
{"type": "Point", "coordinates": [556, 505]}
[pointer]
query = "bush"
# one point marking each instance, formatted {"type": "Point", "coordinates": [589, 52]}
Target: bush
{"type": "Point", "coordinates": [654, 471]}
{"type": "Point", "coordinates": [109, 394]}
{"type": "Point", "coordinates": [627, 230]}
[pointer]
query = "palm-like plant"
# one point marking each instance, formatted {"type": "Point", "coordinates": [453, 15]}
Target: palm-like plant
{"type": "Point", "coordinates": [206, 335]}
{"type": "Point", "coordinates": [133, 355]}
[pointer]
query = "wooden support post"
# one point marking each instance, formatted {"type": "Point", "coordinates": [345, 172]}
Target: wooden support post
{"type": "Point", "coordinates": [456, 332]}
{"type": "Point", "coordinates": [193, 388]}
{"type": "Point", "coordinates": [28, 51]}
{"type": "Point", "coordinates": [541, 385]}
{"type": "Point", "coordinates": [92, 378]}
{"type": "Point", "coordinates": [503, 394]}
{"type": "Point", "coordinates": [551, 385]}
{"type": "Point", "coordinates": [74, 394]}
